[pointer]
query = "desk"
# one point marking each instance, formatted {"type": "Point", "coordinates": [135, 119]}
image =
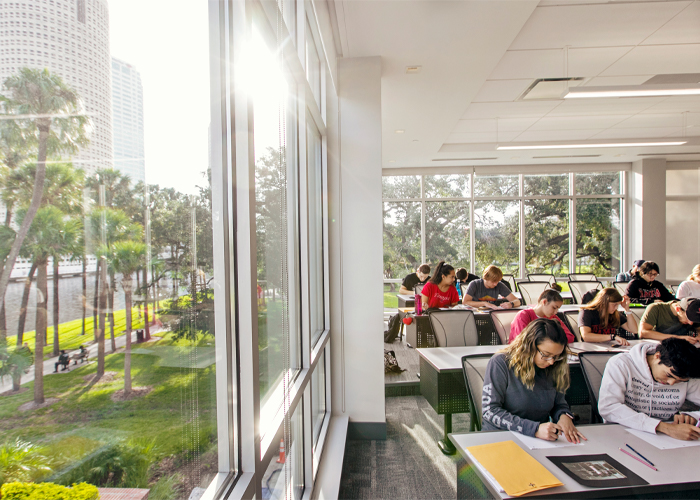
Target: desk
{"type": "Point", "coordinates": [406, 300]}
{"type": "Point", "coordinates": [677, 468]}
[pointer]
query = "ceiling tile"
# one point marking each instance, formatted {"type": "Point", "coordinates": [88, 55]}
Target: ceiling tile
{"type": "Point", "coordinates": [676, 105]}
{"type": "Point", "coordinates": [555, 135]}
{"type": "Point", "coordinates": [529, 64]}
{"type": "Point", "coordinates": [611, 106]}
{"type": "Point", "coordinates": [634, 133]}
{"type": "Point", "coordinates": [643, 120]}
{"type": "Point", "coordinates": [593, 61]}
{"type": "Point", "coordinates": [480, 137]}
{"type": "Point", "coordinates": [479, 110]}
{"type": "Point", "coordinates": [577, 122]}
{"type": "Point", "coordinates": [489, 125]}
{"type": "Point", "coordinates": [594, 25]}
{"type": "Point", "coordinates": [657, 59]}
{"type": "Point", "coordinates": [684, 28]}
{"type": "Point", "coordinates": [502, 90]}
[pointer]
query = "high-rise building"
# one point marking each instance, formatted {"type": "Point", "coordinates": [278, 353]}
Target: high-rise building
{"type": "Point", "coordinates": [71, 39]}
{"type": "Point", "coordinates": [127, 120]}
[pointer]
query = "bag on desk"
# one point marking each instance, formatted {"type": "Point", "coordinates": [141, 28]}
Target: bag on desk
{"type": "Point", "coordinates": [391, 365]}
{"type": "Point", "coordinates": [393, 331]}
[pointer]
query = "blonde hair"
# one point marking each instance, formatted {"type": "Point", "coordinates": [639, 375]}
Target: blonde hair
{"type": "Point", "coordinates": [522, 351]}
{"type": "Point", "coordinates": [600, 303]}
{"type": "Point", "coordinates": [492, 273]}
{"type": "Point", "coordinates": [695, 275]}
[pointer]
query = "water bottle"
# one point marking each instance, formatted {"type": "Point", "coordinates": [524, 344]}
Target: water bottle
{"type": "Point", "coordinates": [459, 290]}
{"type": "Point", "coordinates": [418, 304]}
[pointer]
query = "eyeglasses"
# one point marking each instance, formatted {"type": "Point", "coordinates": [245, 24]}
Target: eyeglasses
{"type": "Point", "coordinates": [553, 358]}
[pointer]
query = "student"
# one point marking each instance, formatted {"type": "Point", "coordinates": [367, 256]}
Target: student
{"type": "Point", "coordinates": [420, 277]}
{"type": "Point", "coordinates": [691, 286]}
{"type": "Point", "coordinates": [600, 321]}
{"type": "Point", "coordinates": [63, 360]}
{"type": "Point", "coordinates": [645, 387]}
{"type": "Point", "coordinates": [671, 319]}
{"type": "Point", "coordinates": [485, 292]}
{"type": "Point", "coordinates": [644, 288]}
{"type": "Point", "coordinates": [524, 385]}
{"type": "Point", "coordinates": [440, 290]}
{"type": "Point", "coordinates": [627, 277]}
{"type": "Point", "coordinates": [547, 307]}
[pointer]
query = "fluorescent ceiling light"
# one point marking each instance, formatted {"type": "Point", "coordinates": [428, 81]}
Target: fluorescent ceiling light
{"type": "Point", "coordinates": [633, 91]}
{"type": "Point", "coordinates": [592, 145]}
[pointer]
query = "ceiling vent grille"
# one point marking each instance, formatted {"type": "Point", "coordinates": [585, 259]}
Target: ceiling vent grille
{"type": "Point", "coordinates": [549, 88]}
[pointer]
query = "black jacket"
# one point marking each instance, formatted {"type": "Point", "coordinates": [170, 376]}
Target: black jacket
{"type": "Point", "coordinates": [641, 291]}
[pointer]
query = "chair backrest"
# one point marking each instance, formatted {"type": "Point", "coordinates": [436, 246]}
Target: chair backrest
{"type": "Point", "coordinates": [454, 328]}
{"type": "Point", "coordinates": [464, 288]}
{"type": "Point", "coordinates": [579, 288]}
{"type": "Point", "coordinates": [593, 366]}
{"type": "Point", "coordinates": [474, 369]}
{"type": "Point", "coordinates": [542, 277]}
{"type": "Point", "coordinates": [418, 288]}
{"type": "Point", "coordinates": [674, 289]}
{"type": "Point", "coordinates": [572, 319]}
{"type": "Point", "coordinates": [502, 321]}
{"type": "Point", "coordinates": [511, 281]}
{"type": "Point", "coordinates": [621, 287]}
{"type": "Point", "coordinates": [530, 291]}
{"type": "Point", "coordinates": [638, 312]}
{"type": "Point", "coordinates": [582, 277]}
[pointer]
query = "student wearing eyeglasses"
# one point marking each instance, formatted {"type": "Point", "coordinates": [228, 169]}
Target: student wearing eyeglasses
{"type": "Point", "coordinates": [644, 289]}
{"type": "Point", "coordinates": [525, 383]}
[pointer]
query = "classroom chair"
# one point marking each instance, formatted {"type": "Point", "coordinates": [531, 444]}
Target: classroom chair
{"type": "Point", "coordinates": [530, 291]}
{"type": "Point", "coordinates": [542, 277]}
{"type": "Point", "coordinates": [572, 319]}
{"type": "Point", "coordinates": [580, 288]}
{"type": "Point", "coordinates": [502, 321]}
{"type": "Point", "coordinates": [582, 277]}
{"type": "Point", "coordinates": [474, 370]}
{"type": "Point", "coordinates": [593, 366]}
{"type": "Point", "coordinates": [454, 328]}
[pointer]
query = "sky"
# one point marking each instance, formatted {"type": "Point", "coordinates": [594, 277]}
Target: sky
{"type": "Point", "coordinates": [168, 43]}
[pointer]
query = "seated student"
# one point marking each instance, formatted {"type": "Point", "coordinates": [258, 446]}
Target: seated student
{"type": "Point", "coordinates": [628, 276]}
{"type": "Point", "coordinates": [600, 321]}
{"type": "Point", "coordinates": [645, 387]}
{"type": "Point", "coordinates": [485, 292]}
{"type": "Point", "coordinates": [547, 307]}
{"type": "Point", "coordinates": [420, 277]}
{"type": "Point", "coordinates": [440, 290]}
{"type": "Point", "coordinates": [671, 319]}
{"type": "Point", "coordinates": [525, 383]}
{"type": "Point", "coordinates": [691, 286]}
{"type": "Point", "coordinates": [644, 289]}
{"type": "Point", "coordinates": [63, 360]}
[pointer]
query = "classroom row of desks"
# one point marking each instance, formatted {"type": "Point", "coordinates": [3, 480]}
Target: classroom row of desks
{"type": "Point", "coordinates": [409, 300]}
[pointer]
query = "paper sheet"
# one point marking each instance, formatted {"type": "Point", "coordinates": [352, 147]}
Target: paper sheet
{"type": "Point", "coordinates": [540, 444]}
{"type": "Point", "coordinates": [661, 441]}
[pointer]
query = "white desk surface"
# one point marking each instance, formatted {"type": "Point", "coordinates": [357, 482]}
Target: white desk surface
{"type": "Point", "coordinates": [406, 297]}
{"type": "Point", "coordinates": [675, 466]}
{"type": "Point", "coordinates": [450, 358]}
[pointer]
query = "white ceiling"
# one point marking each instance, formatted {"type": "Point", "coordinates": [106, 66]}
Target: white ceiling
{"type": "Point", "coordinates": [478, 57]}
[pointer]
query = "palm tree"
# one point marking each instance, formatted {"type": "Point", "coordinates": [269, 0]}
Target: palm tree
{"type": "Point", "coordinates": [126, 258]}
{"type": "Point", "coordinates": [50, 110]}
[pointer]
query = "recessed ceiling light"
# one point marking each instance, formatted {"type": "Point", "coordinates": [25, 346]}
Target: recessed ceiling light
{"type": "Point", "coordinates": [392, 161]}
{"type": "Point", "coordinates": [400, 131]}
{"type": "Point", "coordinates": [412, 70]}
{"type": "Point", "coordinates": [592, 145]}
{"type": "Point", "coordinates": [633, 91]}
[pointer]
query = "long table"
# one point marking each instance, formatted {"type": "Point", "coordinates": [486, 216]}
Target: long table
{"type": "Point", "coordinates": [442, 381]}
{"type": "Point", "coordinates": [677, 472]}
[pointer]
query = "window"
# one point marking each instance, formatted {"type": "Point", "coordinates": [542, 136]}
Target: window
{"type": "Point", "coordinates": [497, 233]}
{"type": "Point", "coordinates": [315, 196]}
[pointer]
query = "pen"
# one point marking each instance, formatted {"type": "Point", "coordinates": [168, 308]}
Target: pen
{"type": "Point", "coordinates": [645, 458]}
{"type": "Point", "coordinates": [638, 460]}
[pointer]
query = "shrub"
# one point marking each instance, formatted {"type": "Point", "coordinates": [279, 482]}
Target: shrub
{"type": "Point", "coordinates": [22, 461]}
{"type": "Point", "coordinates": [165, 488]}
{"type": "Point", "coordinates": [48, 491]}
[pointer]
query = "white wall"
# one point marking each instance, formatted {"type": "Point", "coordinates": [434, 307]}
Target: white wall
{"type": "Point", "coordinates": [355, 231]}
{"type": "Point", "coordinates": [648, 212]}
{"type": "Point", "coordinates": [682, 219]}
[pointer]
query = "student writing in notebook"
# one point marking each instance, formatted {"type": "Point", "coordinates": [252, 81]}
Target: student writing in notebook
{"type": "Point", "coordinates": [645, 387]}
{"type": "Point", "coordinates": [525, 383]}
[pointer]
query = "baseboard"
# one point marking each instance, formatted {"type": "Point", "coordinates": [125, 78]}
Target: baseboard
{"type": "Point", "coordinates": [367, 430]}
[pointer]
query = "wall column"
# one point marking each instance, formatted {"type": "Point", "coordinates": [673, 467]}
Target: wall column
{"type": "Point", "coordinates": [648, 212]}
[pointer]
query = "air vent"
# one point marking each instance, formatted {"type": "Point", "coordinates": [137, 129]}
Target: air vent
{"type": "Point", "coordinates": [566, 156]}
{"type": "Point", "coordinates": [692, 78]}
{"type": "Point", "coordinates": [464, 159]}
{"type": "Point", "coordinates": [549, 88]}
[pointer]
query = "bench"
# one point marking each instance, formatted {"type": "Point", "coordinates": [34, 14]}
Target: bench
{"type": "Point", "coordinates": [82, 356]}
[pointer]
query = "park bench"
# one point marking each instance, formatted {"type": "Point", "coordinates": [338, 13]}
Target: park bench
{"type": "Point", "coordinates": [82, 356]}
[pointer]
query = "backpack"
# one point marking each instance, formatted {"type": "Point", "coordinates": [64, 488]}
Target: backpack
{"type": "Point", "coordinates": [393, 331]}
{"type": "Point", "coordinates": [391, 365]}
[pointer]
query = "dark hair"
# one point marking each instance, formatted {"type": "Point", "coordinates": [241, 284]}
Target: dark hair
{"type": "Point", "coordinates": [461, 274]}
{"type": "Point", "coordinates": [648, 266]}
{"type": "Point", "coordinates": [680, 356]}
{"type": "Point", "coordinates": [441, 270]}
{"type": "Point", "coordinates": [551, 295]}
{"type": "Point", "coordinates": [424, 268]}
{"type": "Point", "coordinates": [555, 286]}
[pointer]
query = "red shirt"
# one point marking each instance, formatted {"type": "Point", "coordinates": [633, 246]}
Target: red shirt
{"type": "Point", "coordinates": [438, 298]}
{"type": "Point", "coordinates": [525, 317]}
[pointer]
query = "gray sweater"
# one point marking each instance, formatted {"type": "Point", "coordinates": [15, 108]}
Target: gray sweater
{"type": "Point", "coordinates": [508, 405]}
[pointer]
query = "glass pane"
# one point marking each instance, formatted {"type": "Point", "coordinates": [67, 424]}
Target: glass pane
{"type": "Point", "coordinates": [497, 232]}
{"type": "Point", "coordinates": [447, 186]}
{"type": "Point", "coordinates": [318, 396]}
{"type": "Point", "coordinates": [391, 301]}
{"type": "Point", "coordinates": [547, 236]}
{"type": "Point", "coordinates": [598, 236]}
{"type": "Point", "coordinates": [275, 219]}
{"type": "Point", "coordinates": [496, 185]}
{"type": "Point", "coordinates": [284, 477]}
{"type": "Point", "coordinates": [546, 185]}
{"type": "Point", "coordinates": [289, 13]}
{"type": "Point", "coordinates": [313, 65]}
{"type": "Point", "coordinates": [401, 186]}
{"type": "Point", "coordinates": [447, 233]}
{"type": "Point", "coordinates": [315, 197]}
{"type": "Point", "coordinates": [116, 276]}
{"type": "Point", "coordinates": [402, 245]}
{"type": "Point", "coordinates": [599, 183]}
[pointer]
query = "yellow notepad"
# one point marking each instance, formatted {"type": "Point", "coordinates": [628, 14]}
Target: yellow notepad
{"type": "Point", "coordinates": [514, 469]}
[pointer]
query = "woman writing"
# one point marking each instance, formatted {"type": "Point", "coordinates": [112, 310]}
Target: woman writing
{"type": "Point", "coordinates": [547, 307]}
{"type": "Point", "coordinates": [525, 383]}
{"type": "Point", "coordinates": [486, 291]}
{"type": "Point", "coordinates": [691, 286]}
{"type": "Point", "coordinates": [600, 321]}
{"type": "Point", "coordinates": [440, 290]}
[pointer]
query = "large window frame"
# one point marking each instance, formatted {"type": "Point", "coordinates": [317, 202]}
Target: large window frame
{"type": "Point", "coordinates": [572, 197]}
